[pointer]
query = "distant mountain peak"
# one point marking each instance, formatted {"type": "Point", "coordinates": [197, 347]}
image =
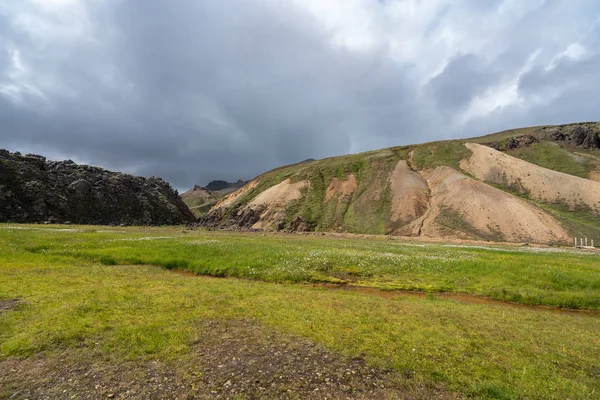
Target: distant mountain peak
{"type": "Point", "coordinates": [220, 185]}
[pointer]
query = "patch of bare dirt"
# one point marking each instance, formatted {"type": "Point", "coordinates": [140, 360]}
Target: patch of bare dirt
{"type": "Point", "coordinates": [77, 374]}
{"type": "Point", "coordinates": [6, 305]}
{"type": "Point", "coordinates": [485, 209]}
{"type": "Point", "coordinates": [233, 359]}
{"type": "Point", "coordinates": [228, 200]}
{"type": "Point", "coordinates": [540, 183]}
{"type": "Point", "coordinates": [341, 189]}
{"type": "Point", "coordinates": [278, 366]}
{"type": "Point", "coordinates": [595, 176]}
{"type": "Point", "coordinates": [279, 194]}
{"type": "Point", "coordinates": [272, 202]}
{"type": "Point", "coordinates": [266, 211]}
{"type": "Point", "coordinates": [410, 194]}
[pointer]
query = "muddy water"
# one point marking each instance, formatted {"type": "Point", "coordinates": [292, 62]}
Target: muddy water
{"type": "Point", "coordinates": [460, 297]}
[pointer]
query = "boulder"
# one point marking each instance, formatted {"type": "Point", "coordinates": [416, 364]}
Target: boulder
{"type": "Point", "coordinates": [585, 135]}
{"type": "Point", "coordinates": [520, 141]}
{"type": "Point", "coordinates": [299, 224]}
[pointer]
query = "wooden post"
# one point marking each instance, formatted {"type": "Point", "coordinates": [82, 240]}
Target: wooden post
{"type": "Point", "coordinates": [575, 241]}
{"type": "Point", "coordinates": [586, 242]}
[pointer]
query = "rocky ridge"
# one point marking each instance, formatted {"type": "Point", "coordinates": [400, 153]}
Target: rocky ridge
{"type": "Point", "coordinates": [584, 136]}
{"type": "Point", "coordinates": [33, 189]}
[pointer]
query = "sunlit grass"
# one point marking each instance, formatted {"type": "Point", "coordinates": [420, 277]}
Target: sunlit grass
{"type": "Point", "coordinates": [77, 289]}
{"type": "Point", "coordinates": [526, 275]}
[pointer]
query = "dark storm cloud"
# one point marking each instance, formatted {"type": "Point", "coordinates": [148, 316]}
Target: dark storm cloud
{"type": "Point", "coordinates": [193, 91]}
{"type": "Point", "coordinates": [461, 79]}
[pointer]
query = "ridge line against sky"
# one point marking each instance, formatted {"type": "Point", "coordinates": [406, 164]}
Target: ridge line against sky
{"type": "Point", "coordinates": [224, 89]}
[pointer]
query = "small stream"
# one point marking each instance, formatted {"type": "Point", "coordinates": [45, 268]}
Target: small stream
{"type": "Point", "coordinates": [460, 297]}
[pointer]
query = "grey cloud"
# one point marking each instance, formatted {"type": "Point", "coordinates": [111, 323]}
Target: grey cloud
{"type": "Point", "coordinates": [572, 87]}
{"type": "Point", "coordinates": [463, 77]}
{"type": "Point", "coordinates": [566, 93]}
{"type": "Point", "coordinates": [567, 72]}
{"type": "Point", "coordinates": [194, 91]}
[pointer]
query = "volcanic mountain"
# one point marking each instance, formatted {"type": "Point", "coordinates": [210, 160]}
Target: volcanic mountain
{"type": "Point", "coordinates": [537, 184]}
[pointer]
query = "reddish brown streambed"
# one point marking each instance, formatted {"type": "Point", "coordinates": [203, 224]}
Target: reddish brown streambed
{"type": "Point", "coordinates": [460, 297]}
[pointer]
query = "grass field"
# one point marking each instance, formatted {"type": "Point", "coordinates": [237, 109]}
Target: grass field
{"type": "Point", "coordinates": [103, 299]}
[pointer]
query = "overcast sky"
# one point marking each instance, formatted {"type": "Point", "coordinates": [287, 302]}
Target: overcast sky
{"type": "Point", "coordinates": [195, 90]}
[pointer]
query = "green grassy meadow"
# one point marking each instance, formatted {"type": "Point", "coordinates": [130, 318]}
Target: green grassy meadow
{"type": "Point", "coordinates": [111, 291]}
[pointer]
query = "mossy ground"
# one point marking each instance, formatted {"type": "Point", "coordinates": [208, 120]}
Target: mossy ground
{"type": "Point", "coordinates": [362, 213]}
{"type": "Point", "coordinates": [559, 158]}
{"type": "Point", "coordinates": [78, 290]}
{"type": "Point", "coordinates": [437, 154]}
